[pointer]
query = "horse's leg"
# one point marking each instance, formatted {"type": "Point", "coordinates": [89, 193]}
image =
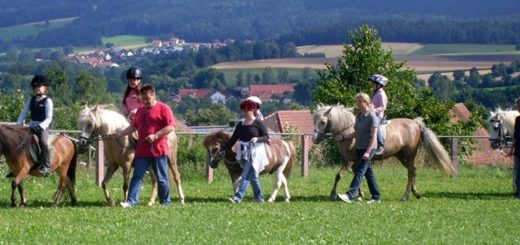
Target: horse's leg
{"type": "Point", "coordinates": [72, 193]}
{"type": "Point", "coordinates": [14, 186]}
{"type": "Point", "coordinates": [153, 178]}
{"type": "Point", "coordinates": [21, 192]}
{"type": "Point", "coordinates": [111, 169]}
{"type": "Point", "coordinates": [61, 187]}
{"type": "Point", "coordinates": [277, 184]}
{"type": "Point", "coordinates": [286, 188]}
{"type": "Point", "coordinates": [177, 178]}
{"type": "Point", "coordinates": [409, 165]}
{"type": "Point", "coordinates": [339, 175]}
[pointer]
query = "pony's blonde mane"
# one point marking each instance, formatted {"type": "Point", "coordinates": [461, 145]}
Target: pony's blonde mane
{"type": "Point", "coordinates": [341, 117]}
{"type": "Point", "coordinates": [105, 120]}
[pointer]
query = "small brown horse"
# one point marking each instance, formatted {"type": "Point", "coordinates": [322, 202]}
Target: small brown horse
{"type": "Point", "coordinates": [281, 155]}
{"type": "Point", "coordinates": [120, 152]}
{"type": "Point", "coordinates": [15, 144]}
{"type": "Point", "coordinates": [403, 138]}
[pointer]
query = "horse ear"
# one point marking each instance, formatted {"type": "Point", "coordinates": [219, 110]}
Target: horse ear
{"type": "Point", "coordinates": [328, 111]}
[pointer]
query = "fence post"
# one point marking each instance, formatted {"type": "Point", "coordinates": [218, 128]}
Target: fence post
{"type": "Point", "coordinates": [305, 155]}
{"type": "Point", "coordinates": [454, 153]}
{"type": "Point", "coordinates": [100, 161]}
{"type": "Point", "coordinates": [209, 170]}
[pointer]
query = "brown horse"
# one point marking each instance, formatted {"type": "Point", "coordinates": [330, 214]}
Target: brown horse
{"type": "Point", "coordinates": [403, 138]}
{"type": "Point", "coordinates": [120, 152]}
{"type": "Point", "coordinates": [15, 144]}
{"type": "Point", "coordinates": [281, 155]}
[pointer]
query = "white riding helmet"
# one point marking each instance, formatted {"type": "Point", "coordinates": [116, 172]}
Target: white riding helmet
{"type": "Point", "coordinates": [255, 99]}
{"type": "Point", "coordinates": [379, 79]}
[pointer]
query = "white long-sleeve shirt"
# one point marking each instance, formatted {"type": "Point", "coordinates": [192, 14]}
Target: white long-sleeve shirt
{"type": "Point", "coordinates": [49, 108]}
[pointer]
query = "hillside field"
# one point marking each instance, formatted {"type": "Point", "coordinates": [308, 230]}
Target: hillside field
{"type": "Point", "coordinates": [8, 33]}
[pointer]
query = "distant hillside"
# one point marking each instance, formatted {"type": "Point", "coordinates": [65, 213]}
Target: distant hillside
{"type": "Point", "coordinates": [300, 21]}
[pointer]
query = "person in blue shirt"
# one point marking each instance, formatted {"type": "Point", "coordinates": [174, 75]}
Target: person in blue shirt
{"type": "Point", "coordinates": [41, 108]}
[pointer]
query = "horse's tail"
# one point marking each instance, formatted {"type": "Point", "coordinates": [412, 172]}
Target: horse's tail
{"type": "Point", "coordinates": [292, 159]}
{"type": "Point", "coordinates": [71, 172]}
{"type": "Point", "coordinates": [435, 150]}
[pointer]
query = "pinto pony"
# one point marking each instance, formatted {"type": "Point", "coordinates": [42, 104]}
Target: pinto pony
{"type": "Point", "coordinates": [501, 127]}
{"type": "Point", "coordinates": [120, 152]}
{"type": "Point", "coordinates": [403, 138]}
{"type": "Point", "coordinates": [16, 143]}
{"type": "Point", "coordinates": [281, 155]}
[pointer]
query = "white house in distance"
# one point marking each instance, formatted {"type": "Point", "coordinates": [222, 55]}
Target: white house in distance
{"type": "Point", "coordinates": [218, 98]}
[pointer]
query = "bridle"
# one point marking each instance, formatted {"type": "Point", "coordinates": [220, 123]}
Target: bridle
{"type": "Point", "coordinates": [501, 140]}
{"type": "Point", "coordinates": [326, 132]}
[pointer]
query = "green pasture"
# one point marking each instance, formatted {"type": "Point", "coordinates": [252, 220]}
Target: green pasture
{"type": "Point", "coordinates": [436, 49]}
{"type": "Point", "coordinates": [475, 207]}
{"type": "Point", "coordinates": [126, 41]}
{"type": "Point", "coordinates": [31, 29]}
{"type": "Point", "coordinates": [231, 73]}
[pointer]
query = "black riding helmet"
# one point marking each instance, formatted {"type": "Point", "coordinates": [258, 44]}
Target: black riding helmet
{"type": "Point", "coordinates": [39, 80]}
{"type": "Point", "coordinates": [133, 72]}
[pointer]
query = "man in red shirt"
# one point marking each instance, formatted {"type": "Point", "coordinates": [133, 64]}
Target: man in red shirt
{"type": "Point", "coordinates": [153, 122]}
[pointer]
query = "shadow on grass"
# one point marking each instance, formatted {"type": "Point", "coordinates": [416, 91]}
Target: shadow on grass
{"type": "Point", "coordinates": [469, 195]}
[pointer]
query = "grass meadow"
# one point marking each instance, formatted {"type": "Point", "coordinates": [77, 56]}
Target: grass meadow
{"type": "Point", "coordinates": [475, 207]}
{"type": "Point", "coordinates": [10, 32]}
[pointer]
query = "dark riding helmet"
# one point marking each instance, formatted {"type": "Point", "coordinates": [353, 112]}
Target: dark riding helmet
{"type": "Point", "coordinates": [133, 72]}
{"type": "Point", "coordinates": [39, 80]}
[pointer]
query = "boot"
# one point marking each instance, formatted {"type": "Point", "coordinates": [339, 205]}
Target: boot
{"type": "Point", "coordinates": [45, 168]}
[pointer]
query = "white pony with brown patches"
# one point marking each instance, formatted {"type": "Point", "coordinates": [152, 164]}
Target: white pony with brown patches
{"type": "Point", "coordinates": [120, 152]}
{"type": "Point", "coordinates": [281, 155]}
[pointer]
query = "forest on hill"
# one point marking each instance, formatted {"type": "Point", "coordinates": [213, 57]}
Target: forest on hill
{"type": "Point", "coordinates": [300, 21]}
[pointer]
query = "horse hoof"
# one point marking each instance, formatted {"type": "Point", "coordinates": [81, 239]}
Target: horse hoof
{"type": "Point", "coordinates": [270, 200]}
{"type": "Point", "coordinates": [286, 199]}
{"type": "Point", "coordinates": [111, 203]}
{"type": "Point", "coordinates": [182, 202]}
{"type": "Point", "coordinates": [150, 204]}
{"type": "Point", "coordinates": [333, 197]}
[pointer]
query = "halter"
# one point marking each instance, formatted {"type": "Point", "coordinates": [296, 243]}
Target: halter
{"type": "Point", "coordinates": [325, 133]}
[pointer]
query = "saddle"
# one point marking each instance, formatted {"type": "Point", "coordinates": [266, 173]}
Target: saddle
{"type": "Point", "coordinates": [35, 151]}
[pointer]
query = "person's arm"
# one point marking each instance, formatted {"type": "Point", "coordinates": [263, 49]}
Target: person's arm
{"type": "Point", "coordinates": [373, 140]}
{"type": "Point", "coordinates": [159, 134]}
{"type": "Point", "coordinates": [23, 114]}
{"type": "Point", "coordinates": [343, 136]}
{"type": "Point", "coordinates": [126, 131]}
{"type": "Point", "coordinates": [263, 133]}
{"type": "Point", "coordinates": [49, 109]}
{"type": "Point", "coordinates": [234, 137]}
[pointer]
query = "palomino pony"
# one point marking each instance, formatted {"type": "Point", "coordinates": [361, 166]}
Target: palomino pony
{"type": "Point", "coordinates": [501, 127]}
{"type": "Point", "coordinates": [403, 138]}
{"type": "Point", "coordinates": [16, 143]}
{"type": "Point", "coordinates": [281, 155]}
{"type": "Point", "coordinates": [120, 152]}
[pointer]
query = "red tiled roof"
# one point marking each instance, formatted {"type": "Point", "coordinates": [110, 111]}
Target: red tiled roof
{"type": "Point", "coordinates": [301, 120]}
{"type": "Point", "coordinates": [459, 113]}
{"type": "Point", "coordinates": [198, 93]}
{"type": "Point", "coordinates": [265, 91]}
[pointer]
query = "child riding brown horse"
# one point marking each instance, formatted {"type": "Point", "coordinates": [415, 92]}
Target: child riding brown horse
{"type": "Point", "coordinates": [15, 144]}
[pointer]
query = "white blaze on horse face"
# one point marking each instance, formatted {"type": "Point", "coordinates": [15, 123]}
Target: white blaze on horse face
{"type": "Point", "coordinates": [319, 129]}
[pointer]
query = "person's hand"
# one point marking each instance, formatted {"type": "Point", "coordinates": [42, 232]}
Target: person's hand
{"type": "Point", "coordinates": [36, 129]}
{"type": "Point", "coordinates": [366, 155]}
{"type": "Point", "coordinates": [131, 115]}
{"type": "Point", "coordinates": [253, 140]}
{"type": "Point", "coordinates": [151, 138]}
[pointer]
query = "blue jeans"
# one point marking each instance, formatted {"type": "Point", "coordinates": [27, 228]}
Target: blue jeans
{"type": "Point", "coordinates": [364, 168]}
{"type": "Point", "coordinates": [380, 140]}
{"type": "Point", "coordinates": [160, 168]}
{"type": "Point", "coordinates": [516, 175]}
{"type": "Point", "coordinates": [249, 175]}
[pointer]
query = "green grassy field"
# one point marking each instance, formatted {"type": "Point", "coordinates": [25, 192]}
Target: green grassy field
{"type": "Point", "coordinates": [231, 74]}
{"type": "Point", "coordinates": [8, 33]}
{"type": "Point", "coordinates": [437, 49]}
{"type": "Point", "coordinates": [476, 207]}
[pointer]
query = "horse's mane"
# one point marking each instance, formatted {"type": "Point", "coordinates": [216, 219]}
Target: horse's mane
{"type": "Point", "coordinates": [220, 136]}
{"type": "Point", "coordinates": [341, 117]}
{"type": "Point", "coordinates": [95, 116]}
{"type": "Point", "coordinates": [12, 136]}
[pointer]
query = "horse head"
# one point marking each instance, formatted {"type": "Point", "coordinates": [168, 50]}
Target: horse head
{"type": "Point", "coordinates": [89, 124]}
{"type": "Point", "coordinates": [214, 143]}
{"type": "Point", "coordinates": [321, 120]}
{"type": "Point", "coordinates": [499, 134]}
